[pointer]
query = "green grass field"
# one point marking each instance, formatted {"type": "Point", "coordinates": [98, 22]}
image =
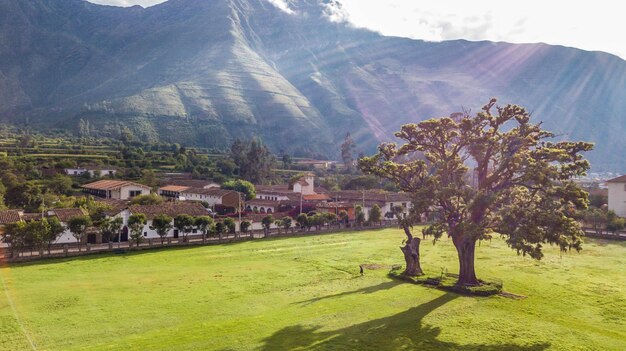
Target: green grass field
{"type": "Point", "coordinates": [306, 294]}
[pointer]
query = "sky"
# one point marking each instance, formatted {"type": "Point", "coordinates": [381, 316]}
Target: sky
{"type": "Point", "coordinates": [588, 25]}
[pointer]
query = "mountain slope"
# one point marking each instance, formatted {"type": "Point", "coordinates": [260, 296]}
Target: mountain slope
{"type": "Point", "coordinates": [205, 72]}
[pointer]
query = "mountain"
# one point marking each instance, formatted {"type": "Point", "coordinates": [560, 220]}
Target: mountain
{"type": "Point", "coordinates": [205, 72]}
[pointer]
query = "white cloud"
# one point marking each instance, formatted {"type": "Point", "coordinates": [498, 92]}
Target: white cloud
{"type": "Point", "coordinates": [283, 5]}
{"type": "Point", "coordinates": [587, 25]}
{"type": "Point", "coordinates": [596, 25]}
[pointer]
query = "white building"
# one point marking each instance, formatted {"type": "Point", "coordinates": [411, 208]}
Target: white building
{"type": "Point", "coordinates": [64, 215]}
{"type": "Point", "coordinates": [172, 209]}
{"type": "Point", "coordinates": [617, 195]}
{"type": "Point", "coordinates": [213, 196]}
{"type": "Point", "coordinates": [305, 185]}
{"type": "Point", "coordinates": [116, 189]}
{"type": "Point", "coordinates": [93, 172]}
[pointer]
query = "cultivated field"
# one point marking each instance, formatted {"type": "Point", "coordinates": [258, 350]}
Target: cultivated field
{"type": "Point", "coordinates": [306, 294]}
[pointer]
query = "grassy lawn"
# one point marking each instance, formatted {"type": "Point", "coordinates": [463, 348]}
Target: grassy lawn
{"type": "Point", "coordinates": [306, 294]}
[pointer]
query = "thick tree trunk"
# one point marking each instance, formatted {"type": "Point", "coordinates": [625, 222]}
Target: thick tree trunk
{"type": "Point", "coordinates": [465, 248]}
{"type": "Point", "coordinates": [411, 251]}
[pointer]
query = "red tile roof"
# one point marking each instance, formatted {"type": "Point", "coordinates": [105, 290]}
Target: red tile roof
{"type": "Point", "coordinates": [171, 209]}
{"type": "Point", "coordinates": [316, 197]}
{"type": "Point", "coordinates": [65, 214]}
{"type": "Point", "coordinates": [174, 188]}
{"type": "Point", "coordinates": [210, 191]}
{"type": "Point", "coordinates": [111, 184]}
{"type": "Point", "coordinates": [9, 216]}
{"type": "Point", "coordinates": [263, 202]}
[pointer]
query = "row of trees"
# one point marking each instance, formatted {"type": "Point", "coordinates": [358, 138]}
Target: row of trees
{"type": "Point", "coordinates": [602, 220]}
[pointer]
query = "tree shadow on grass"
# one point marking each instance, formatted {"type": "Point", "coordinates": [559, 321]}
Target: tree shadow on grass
{"type": "Point", "coordinates": [403, 331]}
{"type": "Point", "coordinates": [366, 290]}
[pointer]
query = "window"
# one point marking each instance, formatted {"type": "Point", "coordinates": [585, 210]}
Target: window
{"type": "Point", "coordinates": [134, 193]}
{"type": "Point", "coordinates": [145, 233]}
{"type": "Point", "coordinates": [194, 231]}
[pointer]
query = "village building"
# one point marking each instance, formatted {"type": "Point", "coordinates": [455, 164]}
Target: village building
{"type": "Point", "coordinates": [171, 209]}
{"type": "Point", "coordinates": [93, 172]}
{"type": "Point", "coordinates": [337, 207]}
{"type": "Point", "coordinates": [317, 164]}
{"type": "Point", "coordinates": [193, 183]}
{"type": "Point", "coordinates": [617, 195]}
{"type": "Point", "coordinates": [64, 215]}
{"type": "Point", "coordinates": [387, 201]}
{"type": "Point", "coordinates": [8, 217]}
{"type": "Point", "coordinates": [262, 206]}
{"type": "Point", "coordinates": [116, 189]}
{"type": "Point", "coordinates": [172, 191]}
{"type": "Point", "coordinates": [212, 196]}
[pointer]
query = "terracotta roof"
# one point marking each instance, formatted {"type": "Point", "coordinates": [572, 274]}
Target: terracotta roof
{"type": "Point", "coordinates": [263, 202]}
{"type": "Point", "coordinates": [193, 183]}
{"type": "Point", "coordinates": [315, 197]}
{"type": "Point", "coordinates": [171, 209]}
{"type": "Point", "coordinates": [209, 191]}
{"type": "Point", "coordinates": [111, 184]}
{"type": "Point", "coordinates": [342, 204]}
{"type": "Point", "coordinates": [174, 188]}
{"type": "Point", "coordinates": [9, 216]}
{"type": "Point", "coordinates": [278, 188]}
{"type": "Point", "coordinates": [65, 214]}
{"type": "Point", "coordinates": [621, 179]}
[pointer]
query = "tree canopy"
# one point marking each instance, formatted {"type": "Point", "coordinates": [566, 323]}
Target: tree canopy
{"type": "Point", "coordinates": [492, 172]}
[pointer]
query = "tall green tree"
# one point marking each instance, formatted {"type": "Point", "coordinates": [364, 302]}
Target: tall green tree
{"type": "Point", "coordinates": [136, 223]}
{"type": "Point", "coordinates": [230, 225]}
{"type": "Point", "coordinates": [492, 172]}
{"type": "Point", "coordinates": [162, 224]}
{"type": "Point", "coordinates": [55, 229]}
{"type": "Point", "coordinates": [204, 224]}
{"type": "Point", "coordinates": [254, 160]}
{"type": "Point", "coordinates": [184, 223]}
{"type": "Point", "coordinates": [78, 226]}
{"type": "Point", "coordinates": [242, 186]}
{"type": "Point", "coordinates": [303, 220]}
{"type": "Point", "coordinates": [15, 237]}
{"type": "Point", "coordinates": [376, 215]}
{"type": "Point", "coordinates": [347, 153]}
{"type": "Point", "coordinates": [267, 224]}
{"type": "Point", "coordinates": [110, 228]}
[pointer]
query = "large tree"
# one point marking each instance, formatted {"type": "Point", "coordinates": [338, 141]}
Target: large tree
{"type": "Point", "coordinates": [347, 152]}
{"type": "Point", "coordinates": [136, 223]}
{"type": "Point", "coordinates": [110, 227]}
{"type": "Point", "coordinates": [162, 224]}
{"type": "Point", "coordinates": [492, 172]}
{"type": "Point", "coordinates": [254, 160]}
{"type": "Point", "coordinates": [184, 223]}
{"type": "Point", "coordinates": [79, 226]}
